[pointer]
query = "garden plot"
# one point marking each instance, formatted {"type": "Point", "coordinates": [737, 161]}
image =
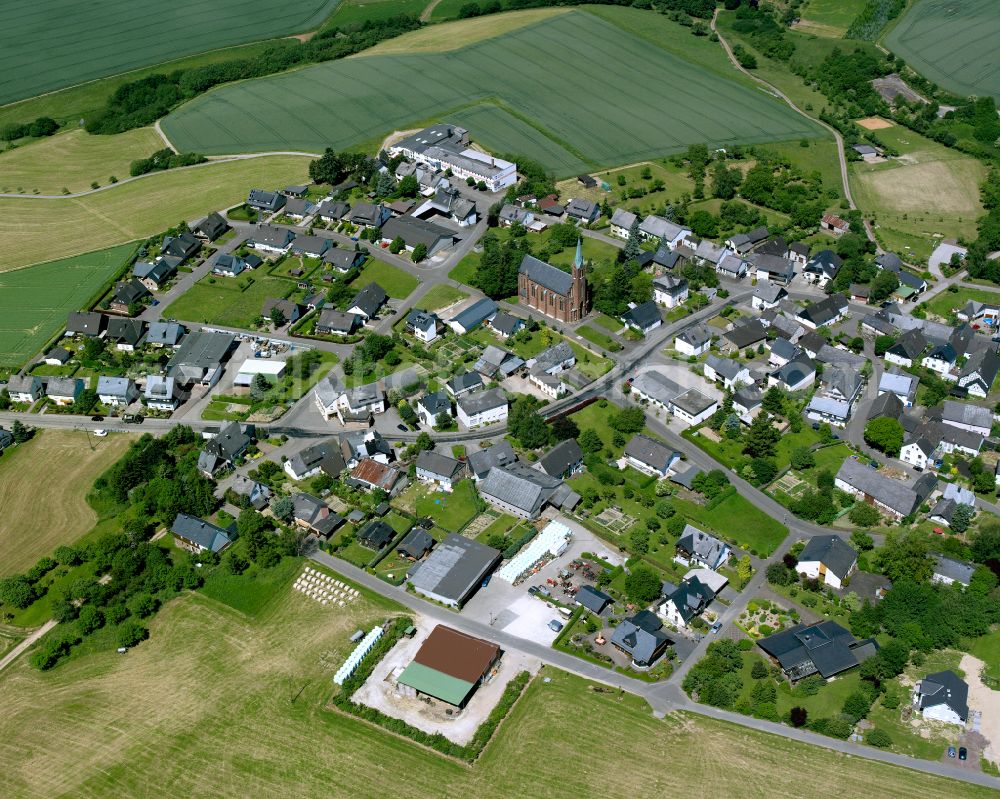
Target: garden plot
{"type": "Point", "coordinates": [614, 520]}
{"type": "Point", "coordinates": [790, 484]}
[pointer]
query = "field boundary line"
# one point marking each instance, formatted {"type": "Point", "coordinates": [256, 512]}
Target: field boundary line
{"type": "Point", "coordinates": [214, 159]}
{"type": "Point", "coordinates": [11, 656]}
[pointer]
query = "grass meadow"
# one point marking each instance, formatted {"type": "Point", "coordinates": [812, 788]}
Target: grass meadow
{"type": "Point", "coordinates": [829, 18]}
{"type": "Point", "coordinates": [953, 44]}
{"type": "Point", "coordinates": [670, 95]}
{"type": "Point", "coordinates": [86, 41]}
{"type": "Point", "coordinates": [930, 189]}
{"type": "Point", "coordinates": [34, 301]}
{"type": "Point", "coordinates": [397, 283]}
{"type": "Point", "coordinates": [36, 230]}
{"type": "Point", "coordinates": [228, 699]}
{"type": "Point", "coordinates": [56, 470]}
{"type": "Point", "coordinates": [81, 158]}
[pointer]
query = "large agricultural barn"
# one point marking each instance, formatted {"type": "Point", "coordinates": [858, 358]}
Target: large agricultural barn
{"type": "Point", "coordinates": [449, 666]}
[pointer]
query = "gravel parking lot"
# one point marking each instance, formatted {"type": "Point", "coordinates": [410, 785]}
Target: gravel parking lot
{"type": "Point", "coordinates": [379, 690]}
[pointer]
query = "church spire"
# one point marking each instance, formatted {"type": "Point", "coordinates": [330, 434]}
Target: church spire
{"type": "Point", "coordinates": [578, 259]}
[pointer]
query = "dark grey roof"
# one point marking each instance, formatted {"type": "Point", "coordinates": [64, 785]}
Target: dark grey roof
{"type": "Point", "coordinates": [825, 262]}
{"type": "Point", "coordinates": [271, 236]}
{"type": "Point", "coordinates": [691, 597]}
{"type": "Point", "coordinates": [435, 403]}
{"type": "Point", "coordinates": [964, 413]}
{"type": "Point", "coordinates": [205, 534]}
{"type": "Point", "coordinates": [129, 331]}
{"type": "Point", "coordinates": [376, 534]}
{"type": "Point", "coordinates": [519, 486]}
{"type": "Point", "coordinates": [774, 265]}
{"type": "Point", "coordinates": [561, 458]}
{"type": "Point", "coordinates": [475, 314]}
{"type": "Point", "coordinates": [702, 546]}
{"type": "Point", "coordinates": [337, 321]}
{"type": "Point", "coordinates": [643, 316]}
{"type": "Point", "coordinates": [415, 231]}
{"type": "Point", "coordinates": [482, 460]}
{"type": "Point", "coordinates": [343, 259]}
{"type": "Point", "coordinates": [639, 638]}
{"type": "Point", "coordinates": [747, 335]}
{"type": "Point", "coordinates": [369, 299]}
{"type": "Point", "coordinates": [685, 477]}
{"type": "Point", "coordinates": [438, 464]}
{"type": "Point", "coordinates": [825, 311]}
{"type": "Point", "coordinates": [454, 568]}
{"type": "Point", "coordinates": [693, 402]}
{"type": "Point", "coordinates": [87, 323]}
{"type": "Point", "coordinates": [892, 493]}
{"type": "Point", "coordinates": [269, 200]}
{"type": "Point", "coordinates": [887, 404]}
{"type": "Point", "coordinates": [650, 452]}
{"type": "Point", "coordinates": [945, 688]}
{"type": "Point", "coordinates": [832, 552]}
{"type": "Point", "coordinates": [505, 323]}
{"type": "Point", "coordinates": [909, 345]}
{"type": "Point", "coordinates": [183, 246]}
{"type": "Point", "coordinates": [465, 381]}
{"type": "Point", "coordinates": [953, 569]}
{"type": "Point", "coordinates": [592, 599]}
{"type": "Point", "coordinates": [311, 245]}
{"type": "Point", "coordinates": [212, 226]}
{"type": "Point", "coordinates": [417, 543]}
{"type": "Point", "coordinates": [551, 277]}
{"type": "Point", "coordinates": [696, 335]}
{"type": "Point", "coordinates": [794, 372]}
{"type": "Point", "coordinates": [471, 404]}
{"type": "Point", "coordinates": [825, 647]}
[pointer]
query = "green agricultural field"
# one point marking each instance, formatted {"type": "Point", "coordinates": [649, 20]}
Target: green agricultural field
{"type": "Point", "coordinates": [669, 101]}
{"type": "Point", "coordinates": [36, 230]}
{"type": "Point", "coordinates": [829, 18]}
{"type": "Point", "coordinates": [34, 302]}
{"type": "Point", "coordinates": [246, 683]}
{"type": "Point", "coordinates": [397, 283]}
{"type": "Point", "coordinates": [81, 158]}
{"type": "Point", "coordinates": [953, 44]}
{"type": "Point", "coordinates": [352, 12]}
{"type": "Point", "coordinates": [930, 189]}
{"type": "Point", "coordinates": [69, 106]}
{"type": "Point", "coordinates": [50, 44]}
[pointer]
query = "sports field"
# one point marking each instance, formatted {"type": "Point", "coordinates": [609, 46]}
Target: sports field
{"type": "Point", "coordinates": [34, 301]}
{"type": "Point", "coordinates": [49, 44]}
{"type": "Point", "coordinates": [36, 230]}
{"type": "Point", "coordinates": [43, 488]}
{"type": "Point", "coordinates": [929, 189]}
{"type": "Point", "coordinates": [220, 704]}
{"type": "Point", "coordinates": [81, 159]}
{"type": "Point", "coordinates": [642, 100]}
{"type": "Point", "coordinates": [952, 43]}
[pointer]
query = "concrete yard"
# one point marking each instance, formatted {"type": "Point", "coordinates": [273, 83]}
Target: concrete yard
{"type": "Point", "coordinates": [379, 690]}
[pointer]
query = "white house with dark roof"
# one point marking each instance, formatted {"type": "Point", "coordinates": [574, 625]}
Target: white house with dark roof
{"type": "Point", "coordinates": [964, 416]}
{"type": "Point", "coordinates": [621, 223]}
{"type": "Point", "coordinates": [729, 372]}
{"type": "Point", "coordinates": [518, 489]}
{"type": "Point", "coordinates": [694, 340]}
{"type": "Point", "coordinates": [828, 559]}
{"type": "Point", "coordinates": [64, 390]}
{"type": "Point", "coordinates": [162, 393]}
{"type": "Point", "coordinates": [979, 373]}
{"type": "Point", "coordinates": [438, 470]}
{"type": "Point", "coordinates": [484, 407]}
{"type": "Point", "coordinates": [655, 388]}
{"type": "Point", "coordinates": [767, 295]}
{"type": "Point", "coordinates": [942, 696]}
{"type": "Point", "coordinates": [660, 229]}
{"type": "Point", "coordinates": [116, 391]}
{"type": "Point", "coordinates": [26, 389]}
{"type": "Point", "coordinates": [895, 497]}
{"type": "Point", "coordinates": [795, 375]}
{"type": "Point", "coordinates": [669, 290]}
{"type": "Point", "coordinates": [901, 384]}
{"type": "Point", "coordinates": [269, 238]}
{"type": "Point", "coordinates": [948, 571]}
{"type": "Point", "coordinates": [650, 456]}
{"type": "Point", "coordinates": [368, 301]}
{"type": "Point", "coordinates": [432, 405]}
{"type": "Point", "coordinates": [197, 535]}
{"type": "Point", "coordinates": [693, 407]}
{"type": "Point", "coordinates": [644, 317]}
{"type": "Point", "coordinates": [696, 547]}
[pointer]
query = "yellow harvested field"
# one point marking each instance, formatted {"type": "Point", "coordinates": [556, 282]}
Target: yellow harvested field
{"type": "Point", "coordinates": [43, 488]}
{"type": "Point", "coordinates": [932, 187]}
{"type": "Point", "coordinates": [461, 33]}
{"type": "Point", "coordinates": [875, 123]}
{"type": "Point", "coordinates": [33, 231]}
{"type": "Point", "coordinates": [218, 704]}
{"type": "Point", "coordinates": [73, 161]}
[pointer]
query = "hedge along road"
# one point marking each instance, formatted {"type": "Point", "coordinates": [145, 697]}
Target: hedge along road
{"type": "Point", "coordinates": [640, 100]}
{"type": "Point", "coordinates": [46, 45]}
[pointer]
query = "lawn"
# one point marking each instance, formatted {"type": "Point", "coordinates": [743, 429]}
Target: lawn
{"type": "Point", "coordinates": [215, 685]}
{"type": "Point", "coordinates": [503, 524]}
{"type": "Point", "coordinates": [673, 100]}
{"type": "Point", "coordinates": [82, 42]}
{"type": "Point", "coordinates": [453, 510]}
{"type": "Point", "coordinates": [930, 191]}
{"type": "Point", "coordinates": [352, 12]}
{"type": "Point", "coordinates": [947, 302]}
{"type": "Point", "coordinates": [442, 296]}
{"type": "Point", "coordinates": [35, 230]}
{"type": "Point", "coordinates": [397, 283]}
{"type": "Point", "coordinates": [729, 453]}
{"type": "Point", "coordinates": [34, 302]}
{"type": "Point", "coordinates": [233, 302]}
{"type": "Point", "coordinates": [829, 17]}
{"type": "Point", "coordinates": [82, 159]}
{"type": "Point", "coordinates": [598, 338]}
{"type": "Point", "coordinates": [951, 43]}
{"type": "Point", "coordinates": [675, 182]}
{"type": "Point", "coordinates": [738, 521]}
{"type": "Point", "coordinates": [43, 488]}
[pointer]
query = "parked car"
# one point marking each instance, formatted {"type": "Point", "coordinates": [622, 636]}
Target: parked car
{"type": "Point", "coordinates": [963, 753]}
{"type": "Point", "coordinates": [951, 751]}
{"type": "Point", "coordinates": [716, 627]}
{"type": "Point", "coordinates": [533, 590]}
{"type": "Point", "coordinates": [555, 625]}
{"type": "Point", "coordinates": [403, 428]}
{"type": "Point", "coordinates": [97, 418]}
{"type": "Point", "coordinates": [100, 433]}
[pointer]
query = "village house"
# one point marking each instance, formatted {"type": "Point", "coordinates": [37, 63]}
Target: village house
{"type": "Point", "coordinates": [116, 391]}
{"type": "Point", "coordinates": [479, 312]}
{"type": "Point", "coordinates": [310, 246]}
{"type": "Point", "coordinates": [314, 515]}
{"type": "Point", "coordinates": [824, 648]}
{"type": "Point", "coordinates": [505, 325]}
{"type": "Point", "coordinates": [822, 267]}
{"type": "Point", "coordinates": [413, 231]}
{"type": "Point", "coordinates": [127, 296]}
{"type": "Point", "coordinates": [370, 474]}
{"type": "Point", "coordinates": [828, 559]}
{"type": "Point", "coordinates": [518, 489]}
{"type": "Point", "coordinates": [153, 276]}
{"type": "Point", "coordinates": [621, 223]}
{"type": "Point", "coordinates": [229, 265]}
{"type": "Point", "coordinates": [979, 373]}
{"type": "Point", "coordinates": [942, 696]}
{"type": "Point", "coordinates": [332, 322]}
{"type": "Point", "coordinates": [670, 291]}
{"type": "Point", "coordinates": [484, 407]}
{"type": "Point", "coordinates": [743, 243]}
{"type": "Point", "coordinates": [424, 325]}
{"type": "Point", "coordinates": [694, 340]}
{"type": "Point", "coordinates": [656, 389]}
{"type": "Point", "coordinates": [827, 311]}
{"type": "Point", "coordinates": [344, 260]}
{"type": "Point", "coordinates": [747, 336]}
{"type": "Point", "coordinates": [835, 224]}
{"type": "Point", "coordinates": [196, 535]}
{"type": "Point", "coordinates": [162, 393]}
{"type": "Point", "coordinates": [212, 227]}
{"type": "Point", "coordinates": [438, 470]}
{"type": "Point", "coordinates": [641, 638]}
{"type": "Point", "coordinates": [795, 375]}
{"type": "Point", "coordinates": [25, 389]}
{"type": "Point", "coordinates": [269, 238]}
{"type": "Point", "coordinates": [697, 548]}
{"type": "Point", "coordinates": [226, 448]}
{"type": "Point", "coordinates": [727, 371]}
{"type": "Point", "coordinates": [126, 334]}
{"type": "Point", "coordinates": [564, 460]}
{"type": "Point", "coordinates": [773, 268]}
{"type": "Point", "coordinates": [545, 369]}
{"type": "Point", "coordinates": [266, 201]}
{"type": "Point", "coordinates": [656, 228]}
{"type": "Point", "coordinates": [464, 382]}
{"type": "Point", "coordinates": [643, 318]}
{"type": "Point", "coordinates": [432, 405]}
{"type": "Point", "coordinates": [767, 295]}
{"type": "Point", "coordinates": [368, 302]}
{"type": "Point", "coordinates": [973, 418]}
{"type": "Point", "coordinates": [691, 598]}
{"type": "Point", "coordinates": [650, 456]}
{"type": "Point", "coordinates": [900, 384]}
{"type": "Point", "coordinates": [64, 390]}
{"type": "Point", "coordinates": [893, 497]}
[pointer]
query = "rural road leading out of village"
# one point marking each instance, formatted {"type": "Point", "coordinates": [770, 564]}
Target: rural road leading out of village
{"type": "Point", "coordinates": [17, 650]}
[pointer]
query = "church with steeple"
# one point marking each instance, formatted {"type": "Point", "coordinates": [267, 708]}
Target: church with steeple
{"type": "Point", "coordinates": [551, 291]}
